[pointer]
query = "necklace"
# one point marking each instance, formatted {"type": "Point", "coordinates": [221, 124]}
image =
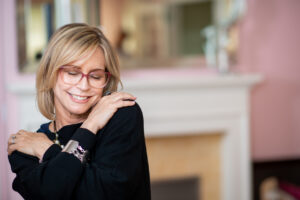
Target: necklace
{"type": "Point", "coordinates": [56, 141]}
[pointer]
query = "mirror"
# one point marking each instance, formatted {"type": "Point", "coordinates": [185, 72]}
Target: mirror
{"type": "Point", "coordinates": [158, 33]}
{"type": "Point", "coordinates": [173, 33]}
{"type": "Point", "coordinates": [145, 33]}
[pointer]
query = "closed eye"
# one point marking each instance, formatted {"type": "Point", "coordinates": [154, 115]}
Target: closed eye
{"type": "Point", "coordinates": [73, 73]}
{"type": "Point", "coordinates": [96, 77]}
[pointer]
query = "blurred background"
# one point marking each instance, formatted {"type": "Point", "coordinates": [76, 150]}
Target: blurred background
{"type": "Point", "coordinates": [218, 82]}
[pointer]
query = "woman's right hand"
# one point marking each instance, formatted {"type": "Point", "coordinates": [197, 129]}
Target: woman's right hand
{"type": "Point", "coordinates": [105, 109]}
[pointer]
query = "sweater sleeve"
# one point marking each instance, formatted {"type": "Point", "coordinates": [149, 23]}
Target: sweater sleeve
{"type": "Point", "coordinates": [54, 178]}
{"type": "Point", "coordinates": [119, 162]}
{"type": "Point", "coordinates": [113, 172]}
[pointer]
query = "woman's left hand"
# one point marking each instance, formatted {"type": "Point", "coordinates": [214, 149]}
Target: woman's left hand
{"type": "Point", "coordinates": [34, 144]}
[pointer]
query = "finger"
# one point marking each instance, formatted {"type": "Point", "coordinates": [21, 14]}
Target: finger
{"type": "Point", "coordinates": [10, 136]}
{"type": "Point", "coordinates": [12, 139]}
{"type": "Point", "coordinates": [123, 96]}
{"type": "Point", "coordinates": [116, 96]}
{"type": "Point", "coordinates": [11, 148]}
{"type": "Point", "coordinates": [20, 132]}
{"type": "Point", "coordinates": [122, 103]}
{"type": "Point", "coordinates": [13, 135]}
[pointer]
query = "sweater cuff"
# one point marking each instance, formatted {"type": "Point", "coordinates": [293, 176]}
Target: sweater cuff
{"type": "Point", "coordinates": [51, 152]}
{"type": "Point", "coordinates": [85, 137]}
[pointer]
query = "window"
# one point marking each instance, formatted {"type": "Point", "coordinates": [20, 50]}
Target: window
{"type": "Point", "coordinates": [37, 20]}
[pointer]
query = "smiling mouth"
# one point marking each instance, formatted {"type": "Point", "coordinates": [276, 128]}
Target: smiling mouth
{"type": "Point", "coordinates": [79, 98]}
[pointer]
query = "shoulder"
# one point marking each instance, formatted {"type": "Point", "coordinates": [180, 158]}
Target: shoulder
{"type": "Point", "coordinates": [129, 112]}
{"type": "Point", "coordinates": [128, 115]}
{"type": "Point", "coordinates": [126, 119]}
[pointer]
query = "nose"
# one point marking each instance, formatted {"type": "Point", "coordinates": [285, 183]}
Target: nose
{"type": "Point", "coordinates": [83, 83]}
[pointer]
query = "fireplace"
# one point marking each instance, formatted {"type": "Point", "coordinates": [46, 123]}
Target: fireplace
{"type": "Point", "coordinates": [190, 158]}
{"type": "Point", "coordinates": [198, 105]}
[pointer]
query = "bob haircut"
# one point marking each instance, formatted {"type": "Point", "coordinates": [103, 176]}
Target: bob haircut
{"type": "Point", "coordinates": [70, 43]}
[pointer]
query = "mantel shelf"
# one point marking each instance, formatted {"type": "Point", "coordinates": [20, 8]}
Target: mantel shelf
{"type": "Point", "coordinates": [153, 82]}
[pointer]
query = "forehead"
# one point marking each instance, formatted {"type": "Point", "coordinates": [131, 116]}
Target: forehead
{"type": "Point", "coordinates": [91, 60]}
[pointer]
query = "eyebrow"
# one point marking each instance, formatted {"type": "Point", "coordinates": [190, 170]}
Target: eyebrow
{"type": "Point", "coordinates": [97, 68]}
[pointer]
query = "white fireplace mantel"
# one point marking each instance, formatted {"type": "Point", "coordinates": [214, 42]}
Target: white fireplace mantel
{"type": "Point", "coordinates": [204, 105]}
{"type": "Point", "coordinates": [186, 105]}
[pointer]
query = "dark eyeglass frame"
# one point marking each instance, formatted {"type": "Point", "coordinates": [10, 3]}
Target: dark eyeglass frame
{"type": "Point", "coordinates": [85, 75]}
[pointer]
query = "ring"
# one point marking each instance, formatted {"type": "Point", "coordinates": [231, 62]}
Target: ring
{"type": "Point", "coordinates": [13, 139]}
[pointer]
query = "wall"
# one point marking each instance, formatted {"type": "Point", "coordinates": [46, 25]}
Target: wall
{"type": "Point", "coordinates": [270, 45]}
{"type": "Point", "coordinates": [3, 156]}
{"type": "Point", "coordinates": [110, 15]}
{"type": "Point", "coordinates": [9, 76]}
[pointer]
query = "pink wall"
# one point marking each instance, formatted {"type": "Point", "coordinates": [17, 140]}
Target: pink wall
{"type": "Point", "coordinates": [3, 155]}
{"type": "Point", "coordinates": [9, 76]}
{"type": "Point", "coordinates": [270, 45]}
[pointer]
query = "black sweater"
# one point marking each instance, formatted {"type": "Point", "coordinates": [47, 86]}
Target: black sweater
{"type": "Point", "coordinates": [117, 166]}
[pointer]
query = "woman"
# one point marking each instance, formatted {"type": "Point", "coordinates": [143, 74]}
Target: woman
{"type": "Point", "coordinates": [94, 146]}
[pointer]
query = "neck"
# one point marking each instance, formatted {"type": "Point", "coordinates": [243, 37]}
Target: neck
{"type": "Point", "coordinates": [61, 122]}
{"type": "Point", "coordinates": [63, 119]}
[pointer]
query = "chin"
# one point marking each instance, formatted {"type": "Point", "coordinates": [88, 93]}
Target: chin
{"type": "Point", "coordinates": [82, 107]}
{"type": "Point", "coordinates": [80, 110]}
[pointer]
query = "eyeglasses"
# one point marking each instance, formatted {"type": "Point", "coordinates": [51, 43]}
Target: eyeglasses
{"type": "Point", "coordinates": [72, 75]}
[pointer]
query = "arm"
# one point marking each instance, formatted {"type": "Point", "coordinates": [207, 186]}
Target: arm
{"type": "Point", "coordinates": [118, 166]}
{"type": "Point", "coordinates": [42, 180]}
{"type": "Point", "coordinates": [115, 170]}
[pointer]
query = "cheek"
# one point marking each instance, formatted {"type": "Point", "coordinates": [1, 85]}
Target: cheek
{"type": "Point", "coordinates": [60, 88]}
{"type": "Point", "coordinates": [98, 94]}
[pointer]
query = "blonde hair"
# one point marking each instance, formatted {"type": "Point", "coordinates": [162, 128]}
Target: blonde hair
{"type": "Point", "coordinates": [70, 43]}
